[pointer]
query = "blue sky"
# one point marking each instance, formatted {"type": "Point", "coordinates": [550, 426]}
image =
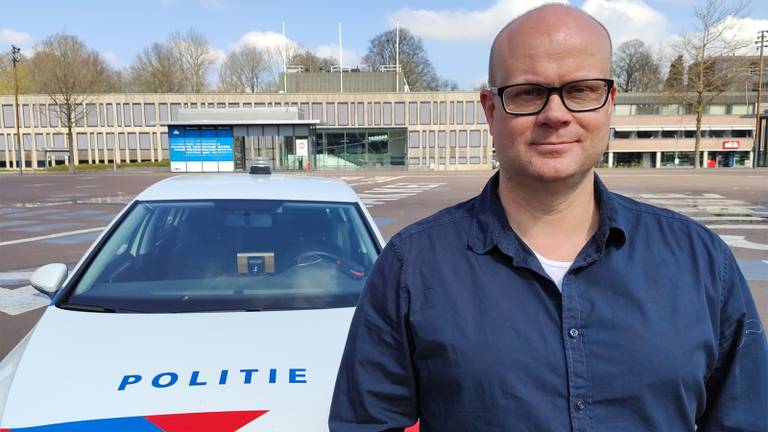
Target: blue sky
{"type": "Point", "coordinates": [456, 34]}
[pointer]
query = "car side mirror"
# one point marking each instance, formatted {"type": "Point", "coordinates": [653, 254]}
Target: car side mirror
{"type": "Point", "coordinates": [48, 278]}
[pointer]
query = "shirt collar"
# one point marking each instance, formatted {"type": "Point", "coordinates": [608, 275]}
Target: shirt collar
{"type": "Point", "coordinates": [491, 227]}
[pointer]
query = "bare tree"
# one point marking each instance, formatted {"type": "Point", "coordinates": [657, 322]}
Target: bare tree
{"type": "Point", "coordinates": [194, 57]}
{"type": "Point", "coordinates": [675, 81]}
{"type": "Point", "coordinates": [311, 62]}
{"type": "Point", "coordinates": [708, 49]}
{"type": "Point", "coordinates": [6, 75]}
{"type": "Point", "coordinates": [274, 63]}
{"type": "Point", "coordinates": [635, 67]}
{"type": "Point", "coordinates": [418, 70]}
{"type": "Point", "coordinates": [243, 71]}
{"type": "Point", "coordinates": [68, 72]}
{"type": "Point", "coordinates": [157, 69]}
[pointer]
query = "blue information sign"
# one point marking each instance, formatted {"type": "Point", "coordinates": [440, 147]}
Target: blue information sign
{"type": "Point", "coordinates": [201, 145]}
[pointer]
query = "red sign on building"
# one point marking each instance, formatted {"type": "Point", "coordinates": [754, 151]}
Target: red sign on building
{"type": "Point", "coordinates": [730, 145]}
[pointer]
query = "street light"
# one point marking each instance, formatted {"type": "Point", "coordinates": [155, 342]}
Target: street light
{"type": "Point", "coordinates": [761, 42]}
{"type": "Point", "coordinates": [16, 58]}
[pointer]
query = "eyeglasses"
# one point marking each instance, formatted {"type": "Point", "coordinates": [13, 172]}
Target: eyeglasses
{"type": "Point", "coordinates": [577, 96]}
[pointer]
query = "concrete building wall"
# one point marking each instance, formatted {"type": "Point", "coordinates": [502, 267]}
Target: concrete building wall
{"type": "Point", "coordinates": [446, 130]}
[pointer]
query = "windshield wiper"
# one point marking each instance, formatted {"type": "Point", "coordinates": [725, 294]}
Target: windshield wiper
{"type": "Point", "coordinates": [93, 308]}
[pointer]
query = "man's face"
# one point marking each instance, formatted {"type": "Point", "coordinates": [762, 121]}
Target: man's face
{"type": "Point", "coordinates": [555, 144]}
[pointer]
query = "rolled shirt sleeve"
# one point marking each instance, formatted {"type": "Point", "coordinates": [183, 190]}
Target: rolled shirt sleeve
{"type": "Point", "coordinates": [375, 388]}
{"type": "Point", "coordinates": [737, 389]}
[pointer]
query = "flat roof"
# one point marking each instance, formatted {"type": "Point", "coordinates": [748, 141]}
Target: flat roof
{"type": "Point", "coordinates": [240, 116]}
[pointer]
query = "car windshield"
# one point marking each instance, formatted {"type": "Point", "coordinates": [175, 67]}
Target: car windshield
{"type": "Point", "coordinates": [221, 255]}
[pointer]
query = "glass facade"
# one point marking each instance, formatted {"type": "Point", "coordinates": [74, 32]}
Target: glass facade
{"type": "Point", "coordinates": [352, 148]}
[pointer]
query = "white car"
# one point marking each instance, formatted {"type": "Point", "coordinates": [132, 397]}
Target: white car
{"type": "Point", "coordinates": [211, 303]}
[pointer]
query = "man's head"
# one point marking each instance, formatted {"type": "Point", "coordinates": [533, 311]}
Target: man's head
{"type": "Point", "coordinates": [551, 46]}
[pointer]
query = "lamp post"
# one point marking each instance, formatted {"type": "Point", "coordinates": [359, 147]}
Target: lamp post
{"type": "Point", "coordinates": [761, 42]}
{"type": "Point", "coordinates": [15, 51]}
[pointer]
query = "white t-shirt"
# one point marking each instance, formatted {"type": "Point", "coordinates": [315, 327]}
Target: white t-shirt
{"type": "Point", "coordinates": [555, 269]}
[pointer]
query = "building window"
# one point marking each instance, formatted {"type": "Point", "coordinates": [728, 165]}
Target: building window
{"type": "Point", "coordinates": [150, 114]}
{"type": "Point", "coordinates": [25, 120]}
{"type": "Point", "coordinates": [452, 139]}
{"type": "Point", "coordinates": [441, 139]}
{"type": "Point", "coordinates": [163, 112]}
{"type": "Point", "coordinates": [91, 114]}
{"type": "Point", "coordinates": [462, 160]}
{"type": "Point", "coordinates": [317, 111]}
{"type": "Point", "coordinates": [413, 139]}
{"type": "Point", "coordinates": [474, 138]}
{"type": "Point", "coordinates": [387, 114]}
{"type": "Point", "coordinates": [459, 113]}
{"type": "Point", "coordinates": [110, 113]}
{"type": "Point", "coordinates": [343, 114]}
{"type": "Point", "coordinates": [132, 141]}
{"type": "Point", "coordinates": [425, 112]}
{"type": "Point", "coordinates": [470, 112]}
{"type": "Point", "coordinates": [330, 113]}
{"type": "Point", "coordinates": [480, 114]}
{"type": "Point", "coordinates": [413, 113]}
{"type": "Point", "coordinates": [361, 114]}
{"type": "Point", "coordinates": [716, 109]}
{"type": "Point", "coordinates": [110, 141]}
{"type": "Point", "coordinates": [144, 141]}
{"type": "Point", "coordinates": [377, 114]}
{"type": "Point", "coordinates": [443, 114]}
{"type": "Point", "coordinates": [474, 159]}
{"type": "Point", "coordinates": [462, 138]}
{"type": "Point", "coordinates": [9, 121]}
{"type": "Point", "coordinates": [82, 141]}
{"type": "Point", "coordinates": [43, 109]}
{"type": "Point", "coordinates": [622, 110]}
{"type": "Point", "coordinates": [399, 113]}
{"type": "Point", "coordinates": [137, 120]}
{"type": "Point", "coordinates": [431, 139]}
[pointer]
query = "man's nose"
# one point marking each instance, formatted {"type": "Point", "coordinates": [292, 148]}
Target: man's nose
{"type": "Point", "coordinates": [554, 114]}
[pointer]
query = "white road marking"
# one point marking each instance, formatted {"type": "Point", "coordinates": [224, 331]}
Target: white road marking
{"type": "Point", "coordinates": [376, 179]}
{"type": "Point", "coordinates": [15, 276]}
{"type": "Point", "coordinates": [741, 242]}
{"type": "Point", "coordinates": [394, 192]}
{"type": "Point", "coordinates": [20, 300]}
{"type": "Point", "coordinates": [38, 184]}
{"type": "Point", "coordinates": [751, 227]}
{"type": "Point", "coordinates": [50, 236]}
{"type": "Point", "coordinates": [86, 186]}
{"type": "Point", "coordinates": [710, 207]}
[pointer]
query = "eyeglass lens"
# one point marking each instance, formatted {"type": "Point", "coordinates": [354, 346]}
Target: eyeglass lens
{"type": "Point", "coordinates": [577, 96]}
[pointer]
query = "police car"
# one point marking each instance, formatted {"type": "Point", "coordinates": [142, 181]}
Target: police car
{"type": "Point", "coordinates": [214, 302]}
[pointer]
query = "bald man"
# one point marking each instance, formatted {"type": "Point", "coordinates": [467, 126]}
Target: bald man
{"type": "Point", "coordinates": [548, 303]}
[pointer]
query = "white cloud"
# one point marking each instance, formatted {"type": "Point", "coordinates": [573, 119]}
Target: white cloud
{"type": "Point", "coordinates": [263, 40]}
{"type": "Point", "coordinates": [629, 19]}
{"type": "Point", "coordinates": [20, 39]}
{"type": "Point", "coordinates": [463, 25]}
{"type": "Point", "coordinates": [351, 57]}
{"type": "Point", "coordinates": [745, 29]}
{"type": "Point", "coordinates": [113, 60]}
{"type": "Point", "coordinates": [217, 55]}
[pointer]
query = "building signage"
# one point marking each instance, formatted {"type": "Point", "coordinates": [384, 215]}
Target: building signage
{"type": "Point", "coordinates": [302, 145]}
{"type": "Point", "coordinates": [730, 145]}
{"type": "Point", "coordinates": [194, 149]}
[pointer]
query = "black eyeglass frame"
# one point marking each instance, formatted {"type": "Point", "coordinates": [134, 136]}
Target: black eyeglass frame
{"type": "Point", "coordinates": [499, 91]}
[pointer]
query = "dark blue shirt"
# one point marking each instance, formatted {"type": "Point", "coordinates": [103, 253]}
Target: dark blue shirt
{"type": "Point", "coordinates": [459, 326]}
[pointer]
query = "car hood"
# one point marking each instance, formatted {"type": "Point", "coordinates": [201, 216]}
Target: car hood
{"type": "Point", "coordinates": [265, 371]}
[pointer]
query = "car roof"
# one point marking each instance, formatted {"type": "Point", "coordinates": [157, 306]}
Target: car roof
{"type": "Point", "coordinates": [249, 186]}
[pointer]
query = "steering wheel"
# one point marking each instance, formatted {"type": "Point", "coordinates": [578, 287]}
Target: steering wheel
{"type": "Point", "coordinates": [314, 257]}
{"type": "Point", "coordinates": [345, 266]}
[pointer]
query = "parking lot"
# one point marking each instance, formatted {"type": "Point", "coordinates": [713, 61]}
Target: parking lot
{"type": "Point", "coordinates": [48, 218]}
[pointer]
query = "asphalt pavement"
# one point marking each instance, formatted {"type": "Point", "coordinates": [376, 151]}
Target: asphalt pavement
{"type": "Point", "coordinates": [48, 218]}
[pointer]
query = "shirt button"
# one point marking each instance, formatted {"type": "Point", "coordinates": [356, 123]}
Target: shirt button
{"type": "Point", "coordinates": [580, 405]}
{"type": "Point", "coordinates": [574, 333]}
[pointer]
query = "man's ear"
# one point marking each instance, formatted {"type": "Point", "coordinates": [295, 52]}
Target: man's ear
{"type": "Point", "coordinates": [487, 100]}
